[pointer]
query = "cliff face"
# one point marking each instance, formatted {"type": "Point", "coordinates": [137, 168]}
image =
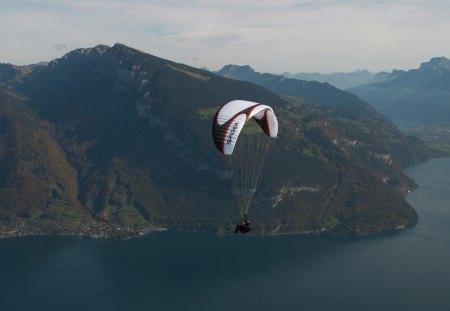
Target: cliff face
{"type": "Point", "coordinates": [125, 139]}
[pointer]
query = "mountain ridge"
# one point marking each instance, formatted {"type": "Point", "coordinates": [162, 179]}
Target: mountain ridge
{"type": "Point", "coordinates": [412, 97]}
{"type": "Point", "coordinates": [341, 80]}
{"type": "Point", "coordinates": [137, 131]}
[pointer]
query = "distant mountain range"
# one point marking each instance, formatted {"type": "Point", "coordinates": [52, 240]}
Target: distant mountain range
{"type": "Point", "coordinates": [414, 97]}
{"type": "Point", "coordinates": [109, 138]}
{"type": "Point", "coordinates": [323, 93]}
{"type": "Point", "coordinates": [341, 80]}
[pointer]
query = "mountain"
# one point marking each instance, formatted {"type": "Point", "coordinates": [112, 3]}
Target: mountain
{"type": "Point", "coordinates": [327, 100]}
{"type": "Point", "coordinates": [414, 97]}
{"type": "Point", "coordinates": [323, 93]}
{"type": "Point", "coordinates": [109, 138]}
{"type": "Point", "coordinates": [383, 76]}
{"type": "Point", "coordinates": [430, 76]}
{"type": "Point", "coordinates": [341, 80]}
{"type": "Point", "coordinates": [12, 75]}
{"type": "Point", "coordinates": [36, 179]}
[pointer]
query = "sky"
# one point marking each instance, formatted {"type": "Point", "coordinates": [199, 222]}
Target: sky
{"type": "Point", "coordinates": [270, 35]}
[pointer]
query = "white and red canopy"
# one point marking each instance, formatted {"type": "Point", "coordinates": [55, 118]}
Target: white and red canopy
{"type": "Point", "coordinates": [231, 118]}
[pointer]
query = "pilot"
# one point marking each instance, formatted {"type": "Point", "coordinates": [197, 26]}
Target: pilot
{"type": "Point", "coordinates": [244, 226]}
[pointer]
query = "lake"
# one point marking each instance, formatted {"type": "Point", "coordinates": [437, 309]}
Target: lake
{"type": "Point", "coordinates": [407, 270]}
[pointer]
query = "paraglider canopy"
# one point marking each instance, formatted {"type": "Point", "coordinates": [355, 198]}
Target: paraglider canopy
{"type": "Point", "coordinates": [231, 118]}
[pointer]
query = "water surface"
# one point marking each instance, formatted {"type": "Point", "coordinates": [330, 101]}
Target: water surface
{"type": "Point", "coordinates": [408, 270]}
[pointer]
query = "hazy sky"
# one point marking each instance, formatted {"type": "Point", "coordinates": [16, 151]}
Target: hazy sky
{"type": "Point", "coordinates": [270, 35]}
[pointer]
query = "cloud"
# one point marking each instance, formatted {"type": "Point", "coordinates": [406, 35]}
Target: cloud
{"type": "Point", "coordinates": [272, 36]}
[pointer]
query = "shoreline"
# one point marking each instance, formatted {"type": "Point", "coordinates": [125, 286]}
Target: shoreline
{"type": "Point", "coordinates": [98, 231]}
{"type": "Point", "coordinates": [114, 232]}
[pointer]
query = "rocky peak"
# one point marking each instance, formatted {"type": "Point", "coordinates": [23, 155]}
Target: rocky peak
{"type": "Point", "coordinates": [109, 58]}
{"type": "Point", "coordinates": [436, 63]}
{"type": "Point", "coordinates": [233, 71]}
{"type": "Point", "coordinates": [99, 49]}
{"type": "Point", "coordinates": [118, 54]}
{"type": "Point", "coordinates": [122, 48]}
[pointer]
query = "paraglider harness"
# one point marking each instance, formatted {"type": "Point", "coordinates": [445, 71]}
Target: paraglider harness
{"type": "Point", "coordinates": [244, 226]}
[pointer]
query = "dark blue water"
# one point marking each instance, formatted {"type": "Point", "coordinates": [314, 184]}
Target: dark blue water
{"type": "Point", "coordinates": [408, 270]}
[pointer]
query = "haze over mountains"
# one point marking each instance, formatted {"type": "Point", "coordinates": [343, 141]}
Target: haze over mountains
{"type": "Point", "coordinates": [115, 137]}
{"type": "Point", "coordinates": [415, 97]}
{"type": "Point", "coordinates": [346, 80]}
{"type": "Point", "coordinates": [341, 80]}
